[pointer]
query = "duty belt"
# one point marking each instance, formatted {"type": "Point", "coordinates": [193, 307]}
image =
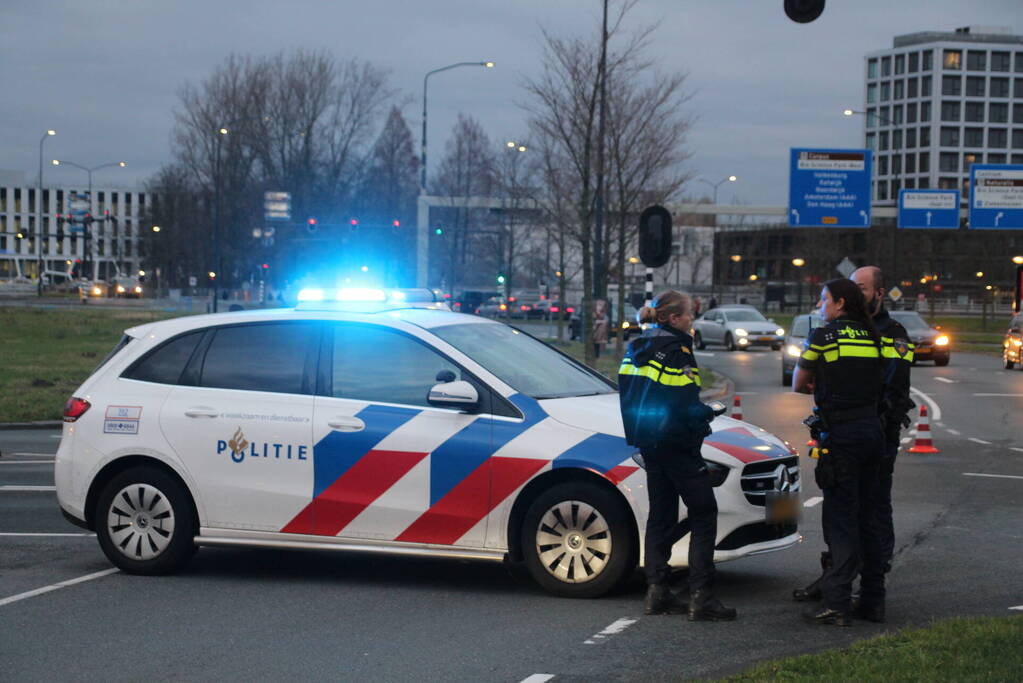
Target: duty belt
{"type": "Point", "coordinates": [835, 417]}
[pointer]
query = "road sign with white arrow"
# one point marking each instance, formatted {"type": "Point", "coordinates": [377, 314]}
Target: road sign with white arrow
{"type": "Point", "coordinates": [929, 209]}
{"type": "Point", "coordinates": [996, 196]}
{"type": "Point", "coordinates": [830, 188]}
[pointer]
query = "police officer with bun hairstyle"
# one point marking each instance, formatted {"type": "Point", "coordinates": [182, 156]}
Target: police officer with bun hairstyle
{"type": "Point", "coordinates": [659, 387]}
{"type": "Point", "coordinates": [843, 367]}
{"type": "Point", "coordinates": [897, 351]}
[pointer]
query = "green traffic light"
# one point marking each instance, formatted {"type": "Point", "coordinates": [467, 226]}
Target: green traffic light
{"type": "Point", "coordinates": [500, 279]}
{"type": "Point", "coordinates": [438, 231]}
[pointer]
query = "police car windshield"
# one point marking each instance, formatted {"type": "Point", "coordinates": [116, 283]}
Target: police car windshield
{"type": "Point", "coordinates": [911, 320]}
{"type": "Point", "coordinates": [739, 316]}
{"type": "Point", "coordinates": [523, 363]}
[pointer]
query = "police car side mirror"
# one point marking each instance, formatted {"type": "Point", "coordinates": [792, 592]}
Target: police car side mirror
{"type": "Point", "coordinates": [459, 395]}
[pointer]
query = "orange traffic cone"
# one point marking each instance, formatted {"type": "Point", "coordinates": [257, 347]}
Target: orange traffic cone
{"type": "Point", "coordinates": [923, 434]}
{"type": "Point", "coordinates": [736, 408]}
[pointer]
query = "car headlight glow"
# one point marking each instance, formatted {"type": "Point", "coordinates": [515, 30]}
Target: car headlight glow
{"type": "Point", "coordinates": [739, 332]}
{"type": "Point", "coordinates": [780, 332]}
{"type": "Point", "coordinates": [96, 291]}
{"type": "Point", "coordinates": [138, 290]}
{"type": "Point", "coordinates": [120, 289]}
{"type": "Point", "coordinates": [941, 341]}
{"type": "Point", "coordinates": [625, 324]}
{"type": "Point", "coordinates": [793, 350]}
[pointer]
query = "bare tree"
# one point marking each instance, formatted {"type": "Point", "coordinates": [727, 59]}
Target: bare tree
{"type": "Point", "coordinates": [467, 170]}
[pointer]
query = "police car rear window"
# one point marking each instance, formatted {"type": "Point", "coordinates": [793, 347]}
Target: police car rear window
{"type": "Point", "coordinates": [118, 347]}
{"type": "Point", "coordinates": [165, 363]}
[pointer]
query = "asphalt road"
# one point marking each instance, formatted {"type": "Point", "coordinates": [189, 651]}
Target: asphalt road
{"type": "Point", "coordinates": [243, 614]}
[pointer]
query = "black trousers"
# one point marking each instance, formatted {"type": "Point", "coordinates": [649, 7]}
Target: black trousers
{"type": "Point", "coordinates": [884, 502]}
{"type": "Point", "coordinates": [671, 474]}
{"type": "Point", "coordinates": [848, 476]}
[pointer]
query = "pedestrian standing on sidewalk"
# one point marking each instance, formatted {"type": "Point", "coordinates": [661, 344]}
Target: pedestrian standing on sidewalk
{"type": "Point", "coordinates": [659, 390]}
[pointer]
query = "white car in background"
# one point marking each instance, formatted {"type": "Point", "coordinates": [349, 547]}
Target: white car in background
{"type": "Point", "coordinates": [384, 426]}
{"type": "Point", "coordinates": [737, 327]}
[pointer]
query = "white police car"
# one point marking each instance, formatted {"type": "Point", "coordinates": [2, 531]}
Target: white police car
{"type": "Point", "coordinates": [389, 427]}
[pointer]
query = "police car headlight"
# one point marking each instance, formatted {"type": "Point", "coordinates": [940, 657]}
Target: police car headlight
{"type": "Point", "coordinates": [793, 350]}
{"type": "Point", "coordinates": [780, 332]}
{"type": "Point", "coordinates": [941, 341]}
{"type": "Point", "coordinates": [625, 324]}
{"type": "Point", "coordinates": [739, 332]}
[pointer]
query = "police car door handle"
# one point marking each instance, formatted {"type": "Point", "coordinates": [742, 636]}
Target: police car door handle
{"type": "Point", "coordinates": [346, 424]}
{"type": "Point", "coordinates": [201, 411]}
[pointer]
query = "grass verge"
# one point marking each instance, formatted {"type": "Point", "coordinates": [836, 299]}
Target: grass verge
{"type": "Point", "coordinates": [960, 649]}
{"type": "Point", "coordinates": [47, 353]}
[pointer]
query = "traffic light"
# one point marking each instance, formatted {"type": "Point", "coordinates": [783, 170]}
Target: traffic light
{"type": "Point", "coordinates": [354, 222]}
{"type": "Point", "coordinates": [438, 231]}
{"type": "Point", "coordinates": [500, 279]}
{"type": "Point", "coordinates": [655, 236]}
{"type": "Point", "coordinates": [396, 223]}
{"type": "Point", "coordinates": [266, 266]}
{"type": "Point", "coordinates": [311, 224]}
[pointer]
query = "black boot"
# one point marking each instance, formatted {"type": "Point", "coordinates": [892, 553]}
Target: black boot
{"type": "Point", "coordinates": [660, 600]}
{"type": "Point", "coordinates": [826, 616]}
{"type": "Point", "coordinates": [812, 593]}
{"type": "Point", "coordinates": [705, 607]}
{"type": "Point", "coordinates": [868, 610]}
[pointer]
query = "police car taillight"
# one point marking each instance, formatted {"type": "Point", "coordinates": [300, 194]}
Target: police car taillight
{"type": "Point", "coordinates": [75, 408]}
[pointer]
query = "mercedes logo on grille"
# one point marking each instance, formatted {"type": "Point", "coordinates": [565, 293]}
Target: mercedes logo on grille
{"type": "Point", "coordinates": [782, 478]}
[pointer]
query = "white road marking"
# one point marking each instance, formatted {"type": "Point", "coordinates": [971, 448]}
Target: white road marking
{"type": "Point", "coordinates": [1017, 607]}
{"type": "Point", "coordinates": [1001, 395]}
{"type": "Point", "coordinates": [12, 533]}
{"type": "Point", "coordinates": [1014, 448]}
{"type": "Point", "coordinates": [935, 408]}
{"type": "Point", "coordinates": [35, 455]}
{"type": "Point", "coordinates": [614, 629]}
{"type": "Point", "coordinates": [537, 678]}
{"type": "Point", "coordinates": [946, 380]}
{"type": "Point", "coordinates": [993, 476]}
{"type": "Point", "coordinates": [705, 354]}
{"type": "Point", "coordinates": [980, 441]}
{"type": "Point", "coordinates": [56, 586]}
{"type": "Point", "coordinates": [26, 462]}
{"type": "Point", "coordinates": [816, 500]}
{"type": "Point", "coordinates": [906, 439]}
{"type": "Point", "coordinates": [23, 489]}
{"type": "Point", "coordinates": [954, 432]}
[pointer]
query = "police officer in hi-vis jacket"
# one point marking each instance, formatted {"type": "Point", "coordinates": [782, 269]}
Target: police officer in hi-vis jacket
{"type": "Point", "coordinates": [659, 385]}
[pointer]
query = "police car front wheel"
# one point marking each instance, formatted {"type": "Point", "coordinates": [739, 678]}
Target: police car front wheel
{"type": "Point", "coordinates": [145, 522]}
{"type": "Point", "coordinates": [577, 540]}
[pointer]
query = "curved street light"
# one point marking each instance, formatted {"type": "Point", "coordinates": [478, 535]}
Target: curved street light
{"type": "Point", "coordinates": [39, 215]}
{"type": "Point", "coordinates": [426, 79]}
{"type": "Point", "coordinates": [729, 179]}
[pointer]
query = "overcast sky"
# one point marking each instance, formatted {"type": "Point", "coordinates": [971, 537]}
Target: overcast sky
{"type": "Point", "coordinates": [106, 73]}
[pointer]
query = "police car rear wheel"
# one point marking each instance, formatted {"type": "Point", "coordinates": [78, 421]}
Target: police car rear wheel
{"type": "Point", "coordinates": [576, 540]}
{"type": "Point", "coordinates": [145, 522]}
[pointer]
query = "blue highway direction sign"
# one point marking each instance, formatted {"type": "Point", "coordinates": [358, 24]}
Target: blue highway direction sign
{"type": "Point", "coordinates": [996, 196]}
{"type": "Point", "coordinates": [830, 187]}
{"type": "Point", "coordinates": [929, 209]}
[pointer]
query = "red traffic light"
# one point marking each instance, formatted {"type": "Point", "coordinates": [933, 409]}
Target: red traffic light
{"type": "Point", "coordinates": [354, 221]}
{"type": "Point", "coordinates": [396, 224]}
{"type": "Point", "coordinates": [312, 221]}
{"type": "Point", "coordinates": [266, 266]}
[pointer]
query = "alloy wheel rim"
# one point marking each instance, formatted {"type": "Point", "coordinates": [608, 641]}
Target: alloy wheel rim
{"type": "Point", "coordinates": [140, 522]}
{"type": "Point", "coordinates": [573, 542]}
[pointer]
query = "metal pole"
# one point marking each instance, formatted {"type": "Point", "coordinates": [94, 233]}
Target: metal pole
{"type": "Point", "coordinates": [598, 228]}
{"type": "Point", "coordinates": [216, 221]}
{"type": "Point", "coordinates": [88, 225]}
{"type": "Point", "coordinates": [39, 219]}
{"type": "Point", "coordinates": [649, 287]}
{"type": "Point", "coordinates": [422, 151]}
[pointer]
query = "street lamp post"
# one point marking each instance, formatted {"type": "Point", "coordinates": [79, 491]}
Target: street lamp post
{"type": "Point", "coordinates": [39, 216]}
{"type": "Point", "coordinates": [799, 263]}
{"type": "Point", "coordinates": [426, 80]}
{"type": "Point", "coordinates": [85, 226]}
{"type": "Point", "coordinates": [896, 180]}
{"type": "Point", "coordinates": [729, 179]}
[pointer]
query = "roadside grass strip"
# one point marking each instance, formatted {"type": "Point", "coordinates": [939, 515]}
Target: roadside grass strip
{"type": "Point", "coordinates": [959, 649]}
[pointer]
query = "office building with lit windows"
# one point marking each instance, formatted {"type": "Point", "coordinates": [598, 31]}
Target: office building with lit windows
{"type": "Point", "coordinates": [938, 102]}
{"type": "Point", "coordinates": [59, 242]}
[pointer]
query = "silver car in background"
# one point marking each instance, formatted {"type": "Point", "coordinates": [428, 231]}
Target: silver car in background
{"type": "Point", "coordinates": [737, 327]}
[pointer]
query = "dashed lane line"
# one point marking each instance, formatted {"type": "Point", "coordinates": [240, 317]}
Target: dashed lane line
{"type": "Point", "coordinates": [811, 502]}
{"type": "Point", "coordinates": [537, 678]}
{"type": "Point", "coordinates": [993, 476]}
{"type": "Point", "coordinates": [705, 354]}
{"type": "Point", "coordinates": [614, 629]}
{"type": "Point", "coordinates": [980, 441]}
{"type": "Point", "coordinates": [1017, 607]}
{"type": "Point", "coordinates": [946, 380]}
{"type": "Point", "coordinates": [1014, 448]}
{"type": "Point", "coordinates": [905, 439]}
{"type": "Point", "coordinates": [953, 432]}
{"type": "Point", "coordinates": [57, 586]}
{"type": "Point", "coordinates": [24, 489]}
{"type": "Point", "coordinates": [46, 535]}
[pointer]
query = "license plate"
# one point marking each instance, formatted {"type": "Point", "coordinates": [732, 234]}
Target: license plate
{"type": "Point", "coordinates": [782, 507]}
{"type": "Point", "coordinates": [765, 338]}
